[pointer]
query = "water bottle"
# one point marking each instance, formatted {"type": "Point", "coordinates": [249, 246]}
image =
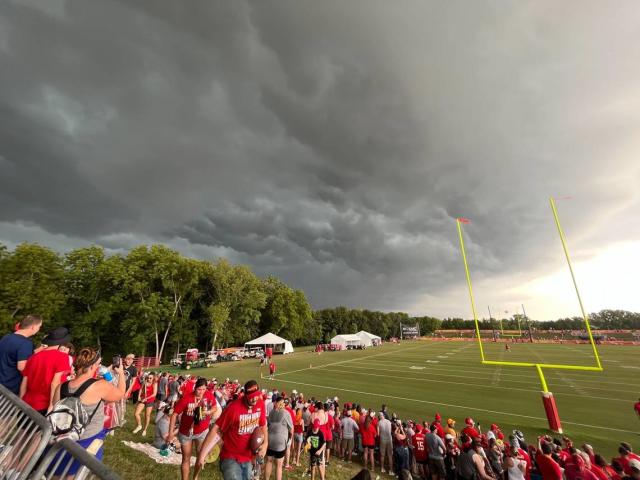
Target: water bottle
{"type": "Point", "coordinates": [105, 373]}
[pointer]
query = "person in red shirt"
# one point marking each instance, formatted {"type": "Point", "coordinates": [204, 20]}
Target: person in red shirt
{"type": "Point", "coordinates": [420, 451]}
{"type": "Point", "coordinates": [287, 407]}
{"type": "Point", "coordinates": [636, 408]}
{"type": "Point", "coordinates": [236, 426]}
{"type": "Point", "coordinates": [470, 430]}
{"type": "Point", "coordinates": [625, 455]}
{"type": "Point", "coordinates": [368, 432]}
{"type": "Point", "coordinates": [146, 402]}
{"type": "Point", "coordinates": [576, 469]}
{"type": "Point", "coordinates": [437, 422]}
{"type": "Point", "coordinates": [188, 386]}
{"type": "Point", "coordinates": [548, 467]}
{"type": "Point", "coordinates": [195, 410]}
{"type": "Point", "coordinates": [608, 470]}
{"type": "Point", "coordinates": [44, 371]}
{"type": "Point", "coordinates": [272, 370]}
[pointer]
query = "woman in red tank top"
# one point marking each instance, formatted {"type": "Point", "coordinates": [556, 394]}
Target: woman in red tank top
{"type": "Point", "coordinates": [146, 401]}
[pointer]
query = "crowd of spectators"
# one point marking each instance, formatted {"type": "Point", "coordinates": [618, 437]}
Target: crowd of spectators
{"type": "Point", "coordinates": [256, 433]}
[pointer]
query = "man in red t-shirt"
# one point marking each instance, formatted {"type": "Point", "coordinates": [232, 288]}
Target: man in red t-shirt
{"type": "Point", "coordinates": [549, 468]}
{"type": "Point", "coordinates": [43, 372]}
{"type": "Point", "coordinates": [272, 370]}
{"type": "Point", "coordinates": [636, 408]}
{"type": "Point", "coordinates": [236, 426]}
{"type": "Point", "coordinates": [420, 451]}
{"type": "Point", "coordinates": [470, 430]}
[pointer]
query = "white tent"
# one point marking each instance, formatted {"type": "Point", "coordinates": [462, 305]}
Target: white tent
{"type": "Point", "coordinates": [279, 344]}
{"type": "Point", "coordinates": [347, 340]}
{"type": "Point", "coordinates": [369, 339]}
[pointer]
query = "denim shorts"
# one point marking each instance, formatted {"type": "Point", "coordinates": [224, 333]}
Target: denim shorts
{"type": "Point", "coordinates": [182, 438]}
{"type": "Point", "coordinates": [232, 470]}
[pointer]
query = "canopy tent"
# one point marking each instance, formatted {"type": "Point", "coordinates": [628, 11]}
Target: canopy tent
{"type": "Point", "coordinates": [347, 340]}
{"type": "Point", "coordinates": [278, 344]}
{"type": "Point", "coordinates": [369, 339]}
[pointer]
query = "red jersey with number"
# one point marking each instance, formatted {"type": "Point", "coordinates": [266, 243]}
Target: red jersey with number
{"type": "Point", "coordinates": [236, 424]}
{"type": "Point", "coordinates": [420, 447]}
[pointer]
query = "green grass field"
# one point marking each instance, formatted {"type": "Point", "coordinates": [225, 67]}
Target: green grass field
{"type": "Point", "coordinates": [417, 379]}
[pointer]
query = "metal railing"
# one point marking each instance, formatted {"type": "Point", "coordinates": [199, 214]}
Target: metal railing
{"type": "Point", "coordinates": [24, 436]}
{"type": "Point", "coordinates": [62, 455]}
{"type": "Point", "coordinates": [28, 452]}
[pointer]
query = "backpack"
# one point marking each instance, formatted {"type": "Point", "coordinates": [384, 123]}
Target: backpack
{"type": "Point", "coordinates": [69, 418]}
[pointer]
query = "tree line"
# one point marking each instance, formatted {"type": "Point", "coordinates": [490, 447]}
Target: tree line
{"type": "Point", "coordinates": [155, 301]}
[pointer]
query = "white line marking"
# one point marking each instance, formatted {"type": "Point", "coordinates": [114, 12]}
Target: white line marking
{"type": "Point", "coordinates": [508, 414]}
{"type": "Point", "coordinates": [341, 362]}
{"type": "Point", "coordinates": [413, 367]}
{"type": "Point", "coordinates": [480, 385]}
{"type": "Point", "coordinates": [629, 366]}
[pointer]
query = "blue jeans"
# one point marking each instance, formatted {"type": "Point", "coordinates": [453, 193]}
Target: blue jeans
{"type": "Point", "coordinates": [232, 470]}
{"type": "Point", "coordinates": [402, 459]}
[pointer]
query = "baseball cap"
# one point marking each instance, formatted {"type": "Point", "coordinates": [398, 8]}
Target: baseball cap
{"type": "Point", "coordinates": [494, 426]}
{"type": "Point", "coordinates": [438, 417]}
{"type": "Point", "coordinates": [252, 389]}
{"type": "Point", "coordinates": [448, 436]}
{"type": "Point", "coordinates": [468, 421]}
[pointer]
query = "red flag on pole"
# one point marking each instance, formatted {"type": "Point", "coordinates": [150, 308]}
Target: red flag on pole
{"type": "Point", "coordinates": [463, 220]}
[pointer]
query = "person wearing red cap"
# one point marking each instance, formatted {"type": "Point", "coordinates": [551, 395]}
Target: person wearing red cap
{"type": "Point", "coordinates": [316, 445]}
{"type": "Point", "coordinates": [495, 432]}
{"type": "Point", "coordinates": [420, 451]}
{"type": "Point", "coordinates": [436, 422]}
{"type": "Point", "coordinates": [235, 426]}
{"type": "Point", "coordinates": [470, 429]}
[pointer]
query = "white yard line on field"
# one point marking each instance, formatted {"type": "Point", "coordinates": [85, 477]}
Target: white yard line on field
{"type": "Point", "coordinates": [559, 374]}
{"type": "Point", "coordinates": [481, 385]}
{"type": "Point", "coordinates": [446, 367]}
{"type": "Point", "coordinates": [497, 412]}
{"type": "Point", "coordinates": [341, 362]}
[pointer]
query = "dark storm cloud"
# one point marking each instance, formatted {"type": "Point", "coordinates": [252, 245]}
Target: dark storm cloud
{"type": "Point", "coordinates": [329, 143]}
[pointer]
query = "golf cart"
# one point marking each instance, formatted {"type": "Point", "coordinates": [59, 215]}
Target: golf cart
{"type": "Point", "coordinates": [195, 359]}
{"type": "Point", "coordinates": [178, 360]}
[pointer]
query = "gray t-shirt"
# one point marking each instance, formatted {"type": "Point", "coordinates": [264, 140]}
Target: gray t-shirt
{"type": "Point", "coordinates": [162, 428]}
{"type": "Point", "coordinates": [349, 426]}
{"type": "Point", "coordinates": [306, 418]}
{"type": "Point", "coordinates": [435, 446]}
{"type": "Point", "coordinates": [279, 426]}
{"type": "Point", "coordinates": [174, 388]}
{"type": "Point", "coordinates": [162, 387]}
{"type": "Point", "coordinates": [384, 427]}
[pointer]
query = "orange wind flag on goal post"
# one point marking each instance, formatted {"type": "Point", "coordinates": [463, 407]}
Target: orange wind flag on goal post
{"type": "Point", "coordinates": [463, 220]}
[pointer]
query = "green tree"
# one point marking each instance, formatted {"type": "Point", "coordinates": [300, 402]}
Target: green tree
{"type": "Point", "coordinates": [30, 282]}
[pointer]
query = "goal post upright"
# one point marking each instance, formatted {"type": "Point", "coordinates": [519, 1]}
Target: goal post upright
{"type": "Point", "coordinates": [547, 397]}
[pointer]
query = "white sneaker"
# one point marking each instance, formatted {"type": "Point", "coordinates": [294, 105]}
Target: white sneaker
{"type": "Point", "coordinates": [137, 429]}
{"type": "Point", "coordinates": [383, 471]}
{"type": "Point", "coordinates": [144, 433]}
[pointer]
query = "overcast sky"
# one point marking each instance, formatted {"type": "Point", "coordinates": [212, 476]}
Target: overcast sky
{"type": "Point", "coordinates": [333, 143]}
